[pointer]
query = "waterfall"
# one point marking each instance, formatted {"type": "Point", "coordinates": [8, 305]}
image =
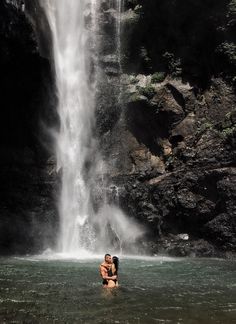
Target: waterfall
{"type": "Point", "coordinates": [74, 26]}
{"type": "Point", "coordinates": [120, 8]}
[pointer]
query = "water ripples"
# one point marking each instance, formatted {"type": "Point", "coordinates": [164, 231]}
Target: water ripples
{"type": "Point", "coordinates": [186, 292]}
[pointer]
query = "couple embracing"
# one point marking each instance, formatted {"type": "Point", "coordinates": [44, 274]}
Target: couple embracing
{"type": "Point", "coordinates": [109, 271]}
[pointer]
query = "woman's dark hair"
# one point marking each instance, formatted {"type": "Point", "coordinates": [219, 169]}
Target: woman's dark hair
{"type": "Point", "coordinates": [115, 260]}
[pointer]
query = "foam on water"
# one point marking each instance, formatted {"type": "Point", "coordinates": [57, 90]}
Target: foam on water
{"type": "Point", "coordinates": [52, 256]}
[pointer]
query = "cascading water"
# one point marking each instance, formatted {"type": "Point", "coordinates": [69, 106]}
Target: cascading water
{"type": "Point", "coordinates": [71, 49]}
{"type": "Point", "coordinates": [120, 5]}
{"type": "Point", "coordinates": [73, 26]}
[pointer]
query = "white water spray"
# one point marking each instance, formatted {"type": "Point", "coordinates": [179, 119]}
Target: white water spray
{"type": "Point", "coordinates": [71, 48]}
{"type": "Point", "coordinates": [73, 27]}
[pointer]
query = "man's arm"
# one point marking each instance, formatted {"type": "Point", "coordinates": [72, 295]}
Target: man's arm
{"type": "Point", "coordinates": [104, 275]}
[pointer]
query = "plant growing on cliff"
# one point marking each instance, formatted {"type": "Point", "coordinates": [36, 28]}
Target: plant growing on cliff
{"type": "Point", "coordinates": [138, 9]}
{"type": "Point", "coordinates": [173, 64]}
{"type": "Point", "coordinates": [149, 91]}
{"type": "Point", "coordinates": [232, 9]}
{"type": "Point", "coordinates": [204, 127]}
{"type": "Point", "coordinates": [228, 132]}
{"type": "Point", "coordinates": [158, 77]}
{"type": "Point", "coordinates": [145, 57]}
{"type": "Point", "coordinates": [229, 51]}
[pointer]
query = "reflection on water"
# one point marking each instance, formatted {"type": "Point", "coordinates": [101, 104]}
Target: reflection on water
{"type": "Point", "coordinates": [152, 291]}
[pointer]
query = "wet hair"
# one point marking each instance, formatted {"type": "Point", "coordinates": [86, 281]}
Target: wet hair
{"type": "Point", "coordinates": [107, 254]}
{"type": "Point", "coordinates": [115, 260]}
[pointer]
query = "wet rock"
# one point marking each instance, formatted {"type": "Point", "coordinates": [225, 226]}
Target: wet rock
{"type": "Point", "coordinates": [199, 248]}
{"type": "Point", "coordinates": [29, 183]}
{"type": "Point", "coordinates": [222, 230]}
{"type": "Point", "coordinates": [187, 199]}
{"type": "Point", "coordinates": [185, 128]}
{"type": "Point", "coordinates": [184, 202]}
{"type": "Point", "coordinates": [172, 146]}
{"type": "Point", "coordinates": [166, 103]}
{"type": "Point", "coordinates": [184, 237]}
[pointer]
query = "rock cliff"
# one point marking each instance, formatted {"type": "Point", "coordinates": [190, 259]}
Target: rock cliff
{"type": "Point", "coordinates": [176, 133]}
{"type": "Point", "coordinates": [28, 213]}
{"type": "Point", "coordinates": [168, 141]}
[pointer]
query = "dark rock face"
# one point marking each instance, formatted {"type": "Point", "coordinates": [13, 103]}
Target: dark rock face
{"type": "Point", "coordinates": [172, 152]}
{"type": "Point", "coordinates": [181, 157]}
{"type": "Point", "coordinates": [192, 39]}
{"type": "Point", "coordinates": [28, 215]}
{"type": "Point", "coordinates": [108, 69]}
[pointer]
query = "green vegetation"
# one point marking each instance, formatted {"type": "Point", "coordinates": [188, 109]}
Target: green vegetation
{"type": "Point", "coordinates": [198, 45]}
{"type": "Point", "coordinates": [228, 126]}
{"type": "Point", "coordinates": [232, 8]}
{"type": "Point", "coordinates": [138, 9]}
{"type": "Point", "coordinates": [228, 50]}
{"type": "Point", "coordinates": [224, 129]}
{"type": "Point", "coordinates": [148, 91]}
{"type": "Point", "coordinates": [228, 132]}
{"type": "Point", "coordinates": [137, 97]}
{"type": "Point", "coordinates": [173, 64]}
{"type": "Point", "coordinates": [158, 77]}
{"type": "Point", "coordinates": [205, 127]}
{"type": "Point", "coordinates": [144, 55]}
{"type": "Point", "coordinates": [228, 115]}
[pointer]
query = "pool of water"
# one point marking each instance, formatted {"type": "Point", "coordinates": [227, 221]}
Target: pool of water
{"type": "Point", "coordinates": [152, 290]}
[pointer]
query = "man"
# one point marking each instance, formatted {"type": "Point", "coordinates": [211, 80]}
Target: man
{"type": "Point", "coordinates": [106, 272]}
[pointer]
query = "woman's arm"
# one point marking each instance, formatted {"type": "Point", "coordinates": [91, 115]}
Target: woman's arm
{"type": "Point", "coordinates": [113, 269]}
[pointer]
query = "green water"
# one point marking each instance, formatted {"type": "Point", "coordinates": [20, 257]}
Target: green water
{"type": "Point", "coordinates": [152, 291]}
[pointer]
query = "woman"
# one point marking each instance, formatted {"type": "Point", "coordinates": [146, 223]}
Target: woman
{"type": "Point", "coordinates": [114, 272]}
